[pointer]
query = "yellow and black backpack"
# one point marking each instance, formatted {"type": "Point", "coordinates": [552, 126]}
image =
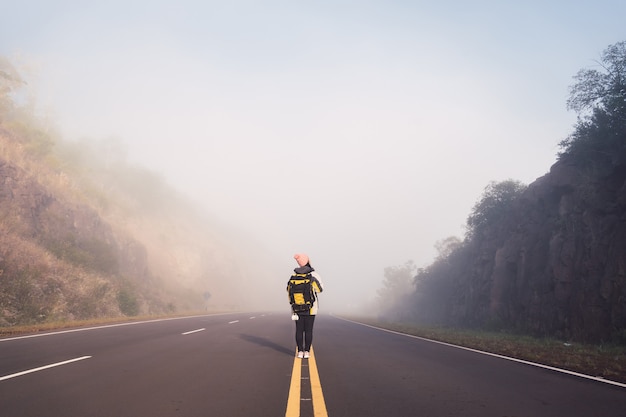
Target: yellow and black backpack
{"type": "Point", "coordinates": [301, 296]}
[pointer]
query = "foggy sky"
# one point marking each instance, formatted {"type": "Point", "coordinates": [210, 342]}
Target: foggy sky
{"type": "Point", "coordinates": [359, 132]}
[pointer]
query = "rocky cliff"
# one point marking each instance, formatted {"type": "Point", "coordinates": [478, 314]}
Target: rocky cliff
{"type": "Point", "coordinates": [556, 265]}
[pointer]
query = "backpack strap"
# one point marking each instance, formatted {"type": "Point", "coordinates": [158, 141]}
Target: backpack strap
{"type": "Point", "coordinates": [303, 278]}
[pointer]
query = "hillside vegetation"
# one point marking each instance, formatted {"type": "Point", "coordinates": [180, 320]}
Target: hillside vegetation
{"type": "Point", "coordinates": [547, 259]}
{"type": "Point", "coordinates": [84, 234]}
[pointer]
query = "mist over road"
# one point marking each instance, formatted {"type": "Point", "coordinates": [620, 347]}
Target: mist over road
{"type": "Point", "coordinates": [241, 365]}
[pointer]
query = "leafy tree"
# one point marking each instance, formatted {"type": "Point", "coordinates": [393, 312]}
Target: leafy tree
{"type": "Point", "coordinates": [10, 81]}
{"type": "Point", "coordinates": [606, 89]}
{"type": "Point", "coordinates": [599, 96]}
{"type": "Point", "coordinates": [17, 114]}
{"type": "Point", "coordinates": [127, 300]}
{"type": "Point", "coordinates": [447, 246]}
{"type": "Point", "coordinates": [438, 284]}
{"type": "Point", "coordinates": [493, 205]}
{"type": "Point", "coordinates": [397, 288]}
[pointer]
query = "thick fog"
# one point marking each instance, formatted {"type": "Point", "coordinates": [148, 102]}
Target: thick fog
{"type": "Point", "coordinates": [358, 132]}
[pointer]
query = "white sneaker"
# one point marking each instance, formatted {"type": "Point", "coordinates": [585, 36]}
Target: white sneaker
{"type": "Point", "coordinates": [306, 354]}
{"type": "Point", "coordinates": [301, 354]}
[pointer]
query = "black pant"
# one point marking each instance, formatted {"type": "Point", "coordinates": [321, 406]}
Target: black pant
{"type": "Point", "coordinates": [304, 332]}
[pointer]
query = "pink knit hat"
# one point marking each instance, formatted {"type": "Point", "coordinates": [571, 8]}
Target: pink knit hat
{"type": "Point", "coordinates": [301, 258]}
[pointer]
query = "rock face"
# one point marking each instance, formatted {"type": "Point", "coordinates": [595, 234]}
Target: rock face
{"type": "Point", "coordinates": [58, 258]}
{"type": "Point", "coordinates": [557, 264]}
{"type": "Point", "coordinates": [82, 247]}
{"type": "Point", "coordinates": [66, 228]}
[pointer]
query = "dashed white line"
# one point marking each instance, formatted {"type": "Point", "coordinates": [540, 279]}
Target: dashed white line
{"type": "Point", "coordinates": [83, 329]}
{"type": "Point", "coordinates": [234, 321]}
{"type": "Point", "coordinates": [193, 331]}
{"type": "Point", "coordinates": [41, 368]}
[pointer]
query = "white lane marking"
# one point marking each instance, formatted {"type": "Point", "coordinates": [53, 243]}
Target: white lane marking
{"type": "Point", "coordinates": [194, 331]}
{"type": "Point", "coordinates": [41, 368]}
{"type": "Point", "coordinates": [234, 321]}
{"type": "Point", "coordinates": [82, 329]}
{"type": "Point", "coordinates": [252, 318]}
{"type": "Point", "coordinates": [495, 355]}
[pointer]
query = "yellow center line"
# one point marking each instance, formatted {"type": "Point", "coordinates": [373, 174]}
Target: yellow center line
{"type": "Point", "coordinates": [293, 402]}
{"type": "Point", "coordinates": [319, 405]}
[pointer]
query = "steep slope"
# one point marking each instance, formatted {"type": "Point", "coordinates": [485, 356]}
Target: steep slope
{"type": "Point", "coordinates": [557, 264]}
{"type": "Point", "coordinates": [77, 241]}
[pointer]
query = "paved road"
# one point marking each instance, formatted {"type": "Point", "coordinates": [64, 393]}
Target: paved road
{"type": "Point", "coordinates": [238, 365]}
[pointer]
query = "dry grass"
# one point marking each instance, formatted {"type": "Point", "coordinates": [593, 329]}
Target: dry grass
{"type": "Point", "coordinates": [604, 361]}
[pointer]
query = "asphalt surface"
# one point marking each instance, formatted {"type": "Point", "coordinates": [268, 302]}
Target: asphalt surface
{"type": "Point", "coordinates": [237, 365]}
